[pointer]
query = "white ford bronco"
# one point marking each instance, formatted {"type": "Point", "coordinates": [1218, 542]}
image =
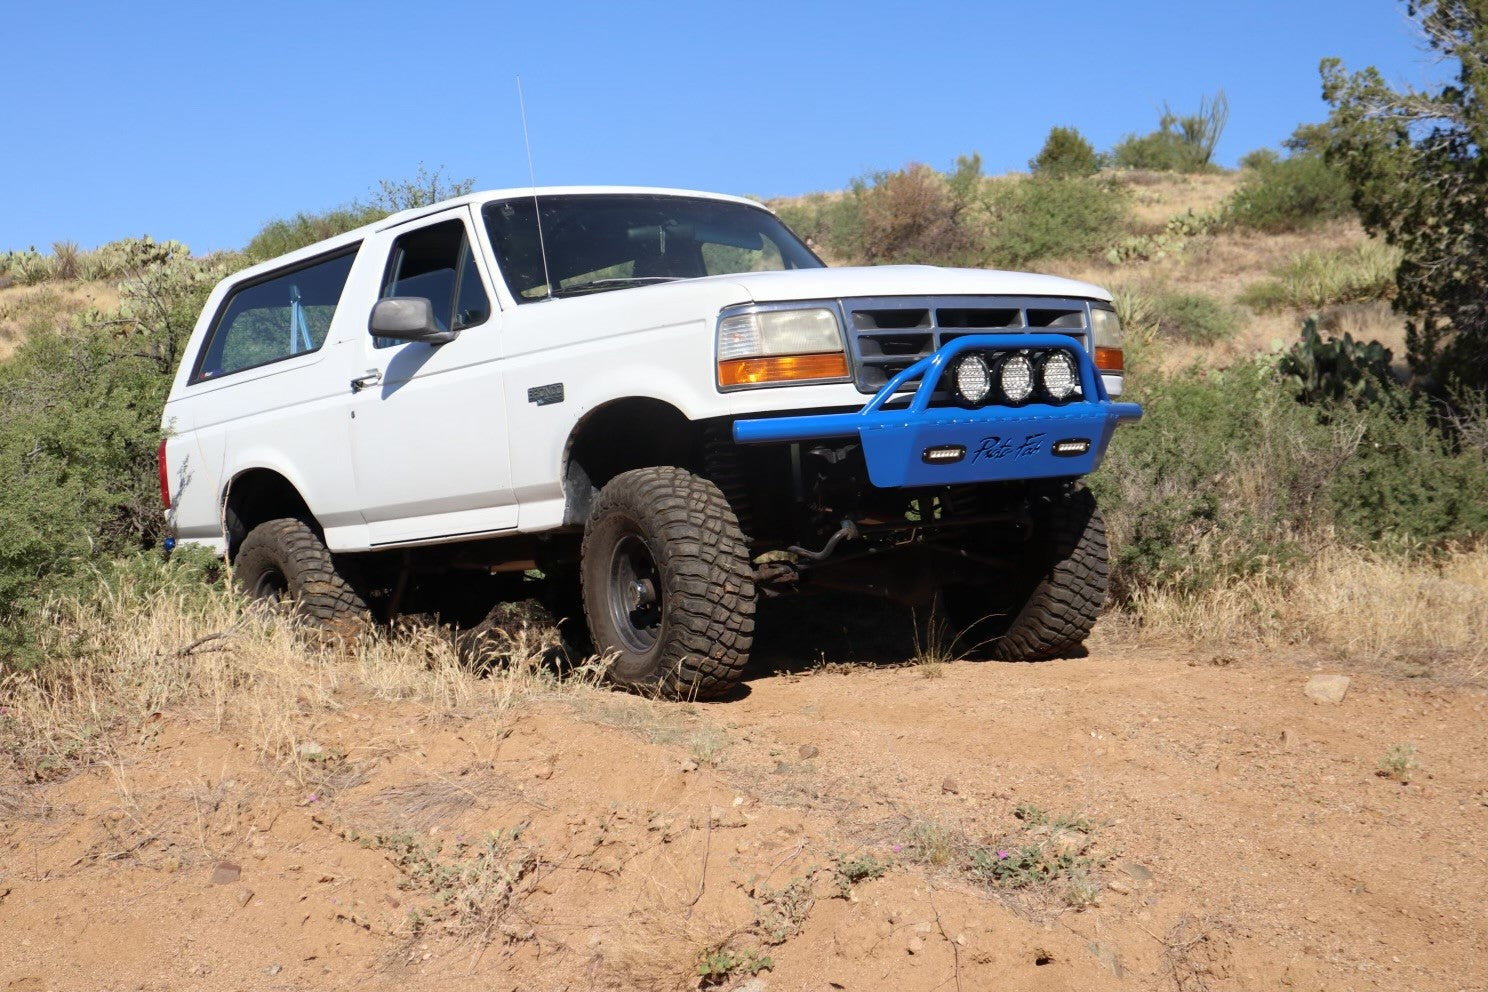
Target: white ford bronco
{"type": "Point", "coordinates": [662, 401]}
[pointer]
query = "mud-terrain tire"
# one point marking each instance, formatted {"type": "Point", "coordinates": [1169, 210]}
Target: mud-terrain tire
{"type": "Point", "coordinates": [667, 583]}
{"type": "Point", "coordinates": [285, 561]}
{"type": "Point", "coordinates": [1051, 607]}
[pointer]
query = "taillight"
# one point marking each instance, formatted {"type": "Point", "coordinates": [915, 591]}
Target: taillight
{"type": "Point", "coordinates": [164, 475]}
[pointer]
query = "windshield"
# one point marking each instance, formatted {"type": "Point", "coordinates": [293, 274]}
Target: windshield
{"type": "Point", "coordinates": [603, 241]}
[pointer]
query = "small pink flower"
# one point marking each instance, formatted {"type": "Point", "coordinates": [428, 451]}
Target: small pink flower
{"type": "Point", "coordinates": [1002, 855]}
{"type": "Point", "coordinates": [312, 798]}
{"type": "Point", "coordinates": [898, 848]}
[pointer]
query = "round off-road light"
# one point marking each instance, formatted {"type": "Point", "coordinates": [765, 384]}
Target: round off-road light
{"type": "Point", "coordinates": [1057, 375]}
{"type": "Point", "coordinates": [972, 379]}
{"type": "Point", "coordinates": [1015, 378]}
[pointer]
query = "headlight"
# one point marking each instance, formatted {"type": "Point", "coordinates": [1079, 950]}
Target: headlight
{"type": "Point", "coordinates": [1015, 378]}
{"type": "Point", "coordinates": [765, 347]}
{"type": "Point", "coordinates": [972, 380]}
{"type": "Point", "coordinates": [1057, 375]}
{"type": "Point", "coordinates": [1107, 333]}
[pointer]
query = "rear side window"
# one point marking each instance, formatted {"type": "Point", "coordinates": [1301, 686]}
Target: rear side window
{"type": "Point", "coordinates": [436, 262]}
{"type": "Point", "coordinates": [275, 318]}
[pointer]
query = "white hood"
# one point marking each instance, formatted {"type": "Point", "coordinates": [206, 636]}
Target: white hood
{"type": "Point", "coordinates": [906, 280]}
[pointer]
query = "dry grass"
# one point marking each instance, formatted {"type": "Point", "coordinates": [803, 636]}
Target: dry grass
{"type": "Point", "coordinates": [1398, 613]}
{"type": "Point", "coordinates": [662, 948]}
{"type": "Point", "coordinates": [1221, 265]}
{"type": "Point", "coordinates": [1156, 197]}
{"type": "Point", "coordinates": [25, 310]}
{"type": "Point", "coordinates": [1312, 279]}
{"type": "Point", "coordinates": [123, 655]}
{"type": "Point", "coordinates": [657, 722]}
{"type": "Point", "coordinates": [935, 643]}
{"type": "Point", "coordinates": [426, 803]}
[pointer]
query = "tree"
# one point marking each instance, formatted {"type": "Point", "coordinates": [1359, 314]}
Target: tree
{"type": "Point", "coordinates": [1065, 153]}
{"type": "Point", "coordinates": [421, 190]}
{"type": "Point", "coordinates": [279, 237]}
{"type": "Point", "coordinates": [915, 216]}
{"type": "Point", "coordinates": [1415, 160]}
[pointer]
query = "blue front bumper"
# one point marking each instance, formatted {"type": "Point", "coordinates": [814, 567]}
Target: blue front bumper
{"type": "Point", "coordinates": [917, 445]}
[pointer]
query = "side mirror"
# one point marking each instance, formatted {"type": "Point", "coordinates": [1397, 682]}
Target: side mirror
{"type": "Point", "coordinates": [407, 318]}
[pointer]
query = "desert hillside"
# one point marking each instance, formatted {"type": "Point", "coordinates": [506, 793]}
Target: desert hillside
{"type": "Point", "coordinates": [1267, 772]}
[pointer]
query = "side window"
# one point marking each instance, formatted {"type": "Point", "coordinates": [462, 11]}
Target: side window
{"type": "Point", "coordinates": [437, 263]}
{"type": "Point", "coordinates": [275, 318]}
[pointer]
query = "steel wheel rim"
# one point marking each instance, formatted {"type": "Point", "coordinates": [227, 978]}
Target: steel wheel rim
{"type": "Point", "coordinates": [272, 586]}
{"type": "Point", "coordinates": [634, 594]}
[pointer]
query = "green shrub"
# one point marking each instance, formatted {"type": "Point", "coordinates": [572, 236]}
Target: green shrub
{"type": "Point", "coordinates": [1041, 217]}
{"type": "Point", "coordinates": [1407, 482]}
{"type": "Point", "coordinates": [919, 215]}
{"type": "Point", "coordinates": [1228, 475]}
{"type": "Point", "coordinates": [1211, 484]}
{"type": "Point", "coordinates": [915, 215]}
{"type": "Point", "coordinates": [1193, 318]}
{"type": "Point", "coordinates": [1311, 280]}
{"type": "Point", "coordinates": [422, 189]}
{"type": "Point", "coordinates": [1065, 153]}
{"type": "Point", "coordinates": [79, 424]}
{"type": "Point", "coordinates": [1260, 158]}
{"type": "Point", "coordinates": [278, 237]}
{"type": "Point", "coordinates": [831, 224]}
{"type": "Point", "coordinates": [1290, 194]}
{"type": "Point", "coordinates": [1181, 143]}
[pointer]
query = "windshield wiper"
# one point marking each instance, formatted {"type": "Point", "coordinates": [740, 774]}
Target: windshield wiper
{"type": "Point", "coordinates": [601, 285]}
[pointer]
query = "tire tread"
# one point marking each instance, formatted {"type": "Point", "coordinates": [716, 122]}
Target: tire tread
{"type": "Point", "coordinates": [705, 565]}
{"type": "Point", "coordinates": [1068, 597]}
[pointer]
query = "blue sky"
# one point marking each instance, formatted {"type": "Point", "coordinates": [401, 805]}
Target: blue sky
{"type": "Point", "coordinates": [202, 121]}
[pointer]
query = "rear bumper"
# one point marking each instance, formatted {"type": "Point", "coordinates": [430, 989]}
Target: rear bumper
{"type": "Point", "coordinates": [921, 446]}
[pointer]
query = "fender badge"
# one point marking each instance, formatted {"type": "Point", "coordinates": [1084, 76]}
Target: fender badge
{"type": "Point", "coordinates": [944, 454]}
{"type": "Point", "coordinates": [545, 395]}
{"type": "Point", "coordinates": [1070, 447]}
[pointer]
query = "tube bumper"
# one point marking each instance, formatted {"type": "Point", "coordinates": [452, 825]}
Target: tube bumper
{"type": "Point", "coordinates": [921, 446]}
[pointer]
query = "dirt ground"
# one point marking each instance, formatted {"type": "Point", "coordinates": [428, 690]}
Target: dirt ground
{"type": "Point", "coordinates": [1211, 827]}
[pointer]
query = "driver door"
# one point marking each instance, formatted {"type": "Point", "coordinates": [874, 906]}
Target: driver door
{"type": "Point", "coordinates": [428, 427]}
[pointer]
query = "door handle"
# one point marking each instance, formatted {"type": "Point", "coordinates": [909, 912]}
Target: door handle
{"type": "Point", "coordinates": [370, 378]}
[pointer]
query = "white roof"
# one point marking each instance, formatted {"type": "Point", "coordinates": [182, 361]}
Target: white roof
{"type": "Point", "coordinates": [477, 198]}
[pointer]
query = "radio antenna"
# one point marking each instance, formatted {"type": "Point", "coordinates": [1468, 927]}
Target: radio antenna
{"type": "Point", "coordinates": [542, 246]}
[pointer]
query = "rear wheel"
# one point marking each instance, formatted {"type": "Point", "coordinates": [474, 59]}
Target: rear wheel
{"type": "Point", "coordinates": [1047, 609]}
{"type": "Point", "coordinates": [667, 584]}
{"type": "Point", "coordinates": [284, 561]}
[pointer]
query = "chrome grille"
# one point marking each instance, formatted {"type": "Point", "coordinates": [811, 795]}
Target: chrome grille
{"type": "Point", "coordinates": [889, 334]}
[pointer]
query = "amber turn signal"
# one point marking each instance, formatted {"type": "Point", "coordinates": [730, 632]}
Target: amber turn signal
{"type": "Point", "coordinates": [781, 368]}
{"type": "Point", "coordinates": [1109, 359]}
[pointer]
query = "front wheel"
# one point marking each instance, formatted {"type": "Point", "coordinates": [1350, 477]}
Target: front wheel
{"type": "Point", "coordinates": [667, 584]}
{"type": "Point", "coordinates": [1048, 608]}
